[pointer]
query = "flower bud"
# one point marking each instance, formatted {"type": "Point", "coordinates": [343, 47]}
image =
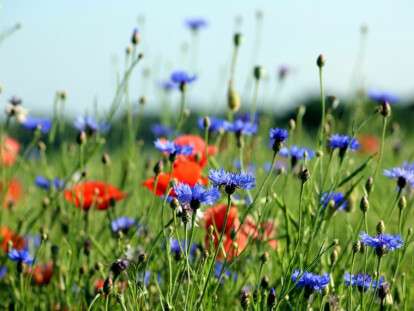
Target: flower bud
{"type": "Point", "coordinates": [271, 298]}
{"type": "Point", "coordinates": [356, 248]}
{"type": "Point", "coordinates": [304, 175]}
{"type": "Point", "coordinates": [206, 122]}
{"type": "Point", "coordinates": [245, 299]}
{"type": "Point", "coordinates": [233, 99]}
{"type": "Point", "coordinates": [119, 266]}
{"type": "Point", "coordinates": [258, 72]}
{"type": "Point", "coordinates": [320, 61]}
{"type": "Point", "coordinates": [142, 100]}
{"type": "Point", "coordinates": [264, 257]}
{"type": "Point", "coordinates": [135, 38]}
{"type": "Point", "coordinates": [106, 159]}
{"type": "Point", "coordinates": [292, 124]}
{"type": "Point", "coordinates": [364, 205]}
{"type": "Point", "coordinates": [385, 109]}
{"type": "Point", "coordinates": [402, 203]}
{"type": "Point", "coordinates": [174, 204]}
{"type": "Point", "coordinates": [380, 227]}
{"type": "Point", "coordinates": [369, 184]}
{"type": "Point", "coordinates": [158, 167]}
{"type": "Point", "coordinates": [237, 39]}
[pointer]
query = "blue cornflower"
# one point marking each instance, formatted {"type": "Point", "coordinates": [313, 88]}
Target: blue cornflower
{"type": "Point", "coordinates": [310, 281]}
{"type": "Point", "coordinates": [277, 137]}
{"type": "Point", "coordinates": [46, 184]}
{"type": "Point", "coordinates": [231, 181]}
{"type": "Point", "coordinates": [337, 197]}
{"type": "Point", "coordinates": [159, 130]}
{"type": "Point", "coordinates": [296, 153]}
{"type": "Point", "coordinates": [21, 256]}
{"type": "Point", "coordinates": [32, 124]}
{"type": "Point", "coordinates": [196, 23]}
{"type": "Point", "coordinates": [247, 117]}
{"type": "Point", "coordinates": [222, 274]}
{"type": "Point", "coordinates": [123, 224]}
{"type": "Point", "coordinates": [178, 248]}
{"type": "Point", "coordinates": [216, 125]}
{"type": "Point", "coordinates": [172, 148]}
{"type": "Point", "coordinates": [343, 143]}
{"type": "Point", "coordinates": [240, 127]}
{"type": "Point", "coordinates": [3, 272]}
{"type": "Point", "coordinates": [89, 125]}
{"type": "Point", "coordinates": [404, 175]}
{"type": "Point", "coordinates": [195, 196]}
{"type": "Point", "coordinates": [167, 85]}
{"type": "Point", "coordinates": [382, 242]}
{"type": "Point", "coordinates": [181, 77]}
{"type": "Point", "coordinates": [362, 281]}
{"type": "Point", "coordinates": [382, 96]}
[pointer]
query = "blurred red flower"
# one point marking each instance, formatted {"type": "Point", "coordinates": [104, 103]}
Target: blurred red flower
{"type": "Point", "coordinates": [42, 274]}
{"type": "Point", "coordinates": [184, 171]}
{"type": "Point", "coordinates": [9, 151]}
{"type": "Point", "coordinates": [369, 143]}
{"type": "Point", "coordinates": [266, 231]}
{"type": "Point", "coordinates": [13, 194]}
{"type": "Point", "coordinates": [199, 153]}
{"type": "Point", "coordinates": [8, 236]}
{"type": "Point", "coordinates": [93, 193]}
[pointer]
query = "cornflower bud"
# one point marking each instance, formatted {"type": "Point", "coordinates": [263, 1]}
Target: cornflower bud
{"type": "Point", "coordinates": [364, 205]}
{"type": "Point", "coordinates": [369, 184]}
{"type": "Point", "coordinates": [385, 109]}
{"type": "Point", "coordinates": [402, 202]}
{"type": "Point", "coordinates": [258, 72]}
{"type": "Point", "coordinates": [380, 227]}
{"type": "Point", "coordinates": [320, 61]}
{"type": "Point", "coordinates": [237, 39]}
{"type": "Point", "coordinates": [356, 248]}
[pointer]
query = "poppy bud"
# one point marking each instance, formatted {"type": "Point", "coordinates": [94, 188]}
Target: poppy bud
{"type": "Point", "coordinates": [333, 101]}
{"type": "Point", "coordinates": [140, 56]}
{"type": "Point", "coordinates": [258, 72]}
{"type": "Point", "coordinates": [62, 94]}
{"type": "Point", "coordinates": [43, 233]}
{"type": "Point", "coordinates": [142, 257]}
{"type": "Point", "coordinates": [292, 124]}
{"type": "Point", "coordinates": [364, 205]}
{"type": "Point", "coordinates": [356, 248]}
{"type": "Point", "coordinates": [106, 159]}
{"type": "Point", "coordinates": [237, 39]}
{"type": "Point", "coordinates": [158, 168]}
{"type": "Point", "coordinates": [402, 203]}
{"type": "Point", "coordinates": [233, 99]}
{"type": "Point", "coordinates": [320, 61]}
{"type": "Point", "coordinates": [135, 38]}
{"type": "Point", "coordinates": [380, 227]}
{"type": "Point", "coordinates": [369, 184]}
{"type": "Point", "coordinates": [385, 109]}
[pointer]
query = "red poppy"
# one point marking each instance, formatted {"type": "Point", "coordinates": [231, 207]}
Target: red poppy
{"type": "Point", "coordinates": [91, 193]}
{"type": "Point", "coordinates": [184, 171]}
{"type": "Point", "coordinates": [266, 231]}
{"type": "Point", "coordinates": [9, 151]}
{"type": "Point", "coordinates": [234, 241]}
{"type": "Point", "coordinates": [13, 194]}
{"type": "Point", "coordinates": [42, 274]}
{"type": "Point", "coordinates": [369, 143]}
{"type": "Point", "coordinates": [99, 284]}
{"type": "Point", "coordinates": [199, 153]}
{"type": "Point", "coordinates": [8, 236]}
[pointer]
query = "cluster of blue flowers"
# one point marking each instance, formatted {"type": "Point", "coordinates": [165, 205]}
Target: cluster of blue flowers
{"type": "Point", "coordinates": [42, 124]}
{"type": "Point", "coordinates": [122, 224]}
{"type": "Point", "coordinates": [343, 142]}
{"type": "Point", "coordinates": [172, 148]}
{"type": "Point", "coordinates": [310, 281]}
{"type": "Point", "coordinates": [362, 281]}
{"type": "Point", "coordinates": [195, 196]}
{"type": "Point", "coordinates": [388, 242]}
{"type": "Point", "coordinates": [21, 256]}
{"type": "Point", "coordinates": [89, 125]}
{"type": "Point", "coordinates": [231, 181]}
{"type": "Point", "coordinates": [47, 184]}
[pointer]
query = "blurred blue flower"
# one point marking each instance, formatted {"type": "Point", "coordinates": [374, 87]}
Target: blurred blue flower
{"type": "Point", "coordinates": [251, 168]}
{"type": "Point", "coordinates": [216, 124]}
{"type": "Point", "coordinates": [310, 281]}
{"type": "Point", "coordinates": [181, 77]}
{"type": "Point", "coordinates": [343, 142]}
{"type": "Point", "coordinates": [195, 196]}
{"type": "Point", "coordinates": [32, 124]}
{"type": "Point", "coordinates": [160, 130]}
{"type": "Point", "coordinates": [231, 181]}
{"type": "Point", "coordinates": [89, 125]}
{"type": "Point", "coordinates": [382, 96]}
{"type": "Point", "coordinates": [362, 281]}
{"type": "Point", "coordinates": [3, 272]}
{"type": "Point", "coordinates": [222, 274]}
{"type": "Point", "coordinates": [123, 224]}
{"type": "Point", "coordinates": [247, 117]}
{"type": "Point", "coordinates": [388, 241]}
{"type": "Point", "coordinates": [337, 197]}
{"type": "Point", "coordinates": [241, 127]}
{"type": "Point", "coordinates": [297, 152]}
{"type": "Point", "coordinates": [46, 184]}
{"type": "Point", "coordinates": [21, 256]}
{"type": "Point", "coordinates": [172, 148]}
{"type": "Point", "coordinates": [279, 166]}
{"type": "Point", "coordinates": [196, 23]}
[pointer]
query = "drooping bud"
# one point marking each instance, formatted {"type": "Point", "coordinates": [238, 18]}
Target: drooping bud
{"type": "Point", "coordinates": [264, 283]}
{"type": "Point", "coordinates": [264, 257]}
{"type": "Point", "coordinates": [119, 266]}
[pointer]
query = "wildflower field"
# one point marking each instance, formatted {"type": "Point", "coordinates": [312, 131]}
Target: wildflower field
{"type": "Point", "coordinates": [238, 211]}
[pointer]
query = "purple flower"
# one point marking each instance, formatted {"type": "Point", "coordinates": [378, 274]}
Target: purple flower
{"type": "Point", "coordinates": [278, 135]}
{"type": "Point", "coordinates": [231, 181]}
{"type": "Point", "coordinates": [403, 175]}
{"type": "Point", "coordinates": [122, 224]}
{"type": "Point", "coordinates": [222, 274]}
{"type": "Point", "coordinates": [216, 125]}
{"type": "Point", "coordinates": [343, 142]}
{"type": "Point", "coordinates": [196, 23]}
{"type": "Point", "coordinates": [337, 197]}
{"type": "Point", "coordinates": [247, 117]}
{"type": "Point", "coordinates": [241, 127]}
{"type": "Point", "coordinates": [362, 281]}
{"type": "Point", "coordinates": [388, 241]}
{"type": "Point", "coordinates": [296, 153]}
{"type": "Point", "coordinates": [90, 125]}
{"type": "Point", "coordinates": [382, 96]}
{"type": "Point", "coordinates": [181, 77]}
{"type": "Point", "coordinates": [172, 148]}
{"type": "Point", "coordinates": [195, 196]}
{"type": "Point", "coordinates": [46, 184]}
{"type": "Point", "coordinates": [32, 124]}
{"type": "Point", "coordinates": [310, 281]}
{"type": "Point", "coordinates": [160, 130]}
{"type": "Point", "coordinates": [21, 256]}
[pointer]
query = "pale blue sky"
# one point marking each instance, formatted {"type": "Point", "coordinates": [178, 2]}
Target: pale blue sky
{"type": "Point", "coordinates": [75, 45]}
